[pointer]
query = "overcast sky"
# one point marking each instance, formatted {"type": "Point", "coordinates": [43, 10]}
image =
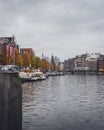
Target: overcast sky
{"type": "Point", "coordinates": [63, 27]}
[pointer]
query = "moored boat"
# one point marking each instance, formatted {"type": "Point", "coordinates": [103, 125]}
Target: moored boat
{"type": "Point", "coordinates": [27, 75]}
{"type": "Point", "coordinates": [40, 75]}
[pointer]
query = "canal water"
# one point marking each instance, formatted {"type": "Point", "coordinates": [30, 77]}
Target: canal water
{"type": "Point", "coordinates": [70, 102]}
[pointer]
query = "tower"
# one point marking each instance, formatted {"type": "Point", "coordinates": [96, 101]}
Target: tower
{"type": "Point", "coordinates": [52, 60]}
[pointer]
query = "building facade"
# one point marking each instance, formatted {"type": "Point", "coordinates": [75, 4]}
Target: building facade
{"type": "Point", "coordinates": [28, 51]}
{"type": "Point", "coordinates": [7, 49]}
{"type": "Point", "coordinates": [85, 62]}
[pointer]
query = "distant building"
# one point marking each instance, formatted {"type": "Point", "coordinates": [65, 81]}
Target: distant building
{"type": "Point", "coordinates": [56, 60]}
{"type": "Point", "coordinates": [61, 66]}
{"type": "Point", "coordinates": [47, 59]}
{"type": "Point", "coordinates": [29, 51]}
{"type": "Point", "coordinates": [87, 62]}
{"type": "Point", "coordinates": [52, 60]}
{"type": "Point", "coordinates": [69, 64]}
{"type": "Point", "coordinates": [80, 61]}
{"type": "Point", "coordinates": [101, 64]}
{"type": "Point", "coordinates": [92, 61]}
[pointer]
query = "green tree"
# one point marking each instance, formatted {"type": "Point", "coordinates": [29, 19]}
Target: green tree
{"type": "Point", "coordinates": [38, 62]}
{"type": "Point", "coordinates": [32, 61]}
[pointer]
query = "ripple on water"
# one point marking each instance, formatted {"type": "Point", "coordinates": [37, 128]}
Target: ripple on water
{"type": "Point", "coordinates": [72, 102]}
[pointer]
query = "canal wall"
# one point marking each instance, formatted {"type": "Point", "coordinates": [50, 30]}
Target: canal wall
{"type": "Point", "coordinates": [10, 102]}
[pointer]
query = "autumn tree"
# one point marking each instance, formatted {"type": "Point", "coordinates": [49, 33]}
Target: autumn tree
{"type": "Point", "coordinates": [52, 67]}
{"type": "Point", "coordinates": [18, 58]}
{"type": "Point", "coordinates": [26, 60]}
{"type": "Point", "coordinates": [44, 65]}
{"type": "Point", "coordinates": [58, 68]}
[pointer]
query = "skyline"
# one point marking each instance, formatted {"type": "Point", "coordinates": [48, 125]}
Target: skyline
{"type": "Point", "coordinates": [60, 27]}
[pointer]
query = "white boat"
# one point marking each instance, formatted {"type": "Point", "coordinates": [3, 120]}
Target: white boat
{"type": "Point", "coordinates": [27, 75]}
{"type": "Point", "coordinates": [40, 75]}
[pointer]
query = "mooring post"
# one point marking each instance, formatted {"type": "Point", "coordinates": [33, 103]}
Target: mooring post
{"type": "Point", "coordinates": [10, 102]}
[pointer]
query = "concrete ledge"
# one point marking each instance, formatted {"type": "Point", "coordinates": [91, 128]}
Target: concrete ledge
{"type": "Point", "coordinates": [10, 102]}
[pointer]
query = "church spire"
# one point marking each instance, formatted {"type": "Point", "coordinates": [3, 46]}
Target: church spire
{"type": "Point", "coordinates": [52, 60]}
{"type": "Point", "coordinates": [42, 55]}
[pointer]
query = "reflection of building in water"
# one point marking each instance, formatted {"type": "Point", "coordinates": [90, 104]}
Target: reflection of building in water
{"type": "Point", "coordinates": [10, 102]}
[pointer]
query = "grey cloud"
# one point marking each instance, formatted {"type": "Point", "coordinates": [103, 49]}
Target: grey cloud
{"type": "Point", "coordinates": [65, 27]}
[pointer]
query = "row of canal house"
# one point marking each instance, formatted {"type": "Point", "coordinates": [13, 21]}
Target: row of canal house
{"type": "Point", "coordinates": [9, 43]}
{"type": "Point", "coordinates": [86, 62]}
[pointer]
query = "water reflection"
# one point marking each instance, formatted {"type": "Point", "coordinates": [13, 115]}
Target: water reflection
{"type": "Point", "coordinates": [72, 102]}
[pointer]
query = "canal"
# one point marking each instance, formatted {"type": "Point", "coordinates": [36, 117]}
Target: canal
{"type": "Point", "coordinates": [71, 102]}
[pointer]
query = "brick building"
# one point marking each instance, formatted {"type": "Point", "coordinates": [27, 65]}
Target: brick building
{"type": "Point", "coordinates": [29, 51]}
{"type": "Point", "coordinates": [9, 44]}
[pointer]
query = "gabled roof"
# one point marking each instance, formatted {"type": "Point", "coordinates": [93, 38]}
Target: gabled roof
{"type": "Point", "coordinates": [28, 50]}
